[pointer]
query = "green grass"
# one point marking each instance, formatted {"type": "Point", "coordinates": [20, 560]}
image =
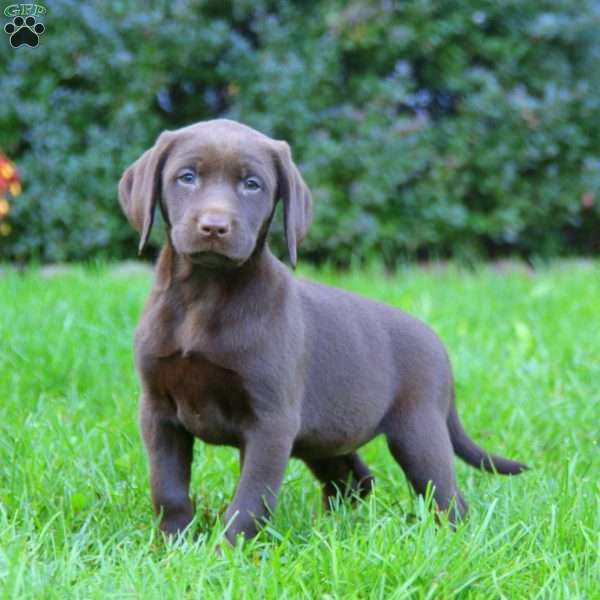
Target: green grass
{"type": "Point", "coordinates": [75, 513]}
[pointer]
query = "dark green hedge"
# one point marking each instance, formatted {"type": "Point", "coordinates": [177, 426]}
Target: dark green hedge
{"type": "Point", "coordinates": [423, 127]}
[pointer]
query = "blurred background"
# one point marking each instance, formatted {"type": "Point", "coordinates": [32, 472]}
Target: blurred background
{"type": "Point", "coordinates": [426, 129]}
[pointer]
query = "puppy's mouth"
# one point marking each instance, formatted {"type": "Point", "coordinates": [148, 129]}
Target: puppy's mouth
{"type": "Point", "coordinates": [214, 260]}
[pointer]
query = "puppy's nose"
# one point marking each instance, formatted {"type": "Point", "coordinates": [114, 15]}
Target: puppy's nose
{"type": "Point", "coordinates": [214, 225]}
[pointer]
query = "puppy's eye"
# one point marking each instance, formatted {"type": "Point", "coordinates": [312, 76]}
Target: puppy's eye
{"type": "Point", "coordinates": [251, 184]}
{"type": "Point", "coordinates": [187, 177]}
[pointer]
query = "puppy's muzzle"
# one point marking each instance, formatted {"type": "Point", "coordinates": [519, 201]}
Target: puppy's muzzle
{"type": "Point", "coordinates": [215, 226]}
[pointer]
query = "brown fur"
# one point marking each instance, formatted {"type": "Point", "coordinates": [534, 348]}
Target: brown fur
{"type": "Point", "coordinates": [232, 349]}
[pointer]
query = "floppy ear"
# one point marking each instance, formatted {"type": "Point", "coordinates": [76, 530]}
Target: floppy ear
{"type": "Point", "coordinates": [139, 187]}
{"type": "Point", "coordinates": [297, 200]}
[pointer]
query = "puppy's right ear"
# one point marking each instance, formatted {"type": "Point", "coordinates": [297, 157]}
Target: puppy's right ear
{"type": "Point", "coordinates": [140, 185]}
{"type": "Point", "coordinates": [297, 200]}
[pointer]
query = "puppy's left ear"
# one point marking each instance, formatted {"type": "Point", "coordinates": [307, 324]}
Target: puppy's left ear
{"type": "Point", "coordinates": [139, 187]}
{"type": "Point", "coordinates": [297, 200]}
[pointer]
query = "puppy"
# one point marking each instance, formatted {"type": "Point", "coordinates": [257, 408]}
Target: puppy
{"type": "Point", "coordinates": [234, 350]}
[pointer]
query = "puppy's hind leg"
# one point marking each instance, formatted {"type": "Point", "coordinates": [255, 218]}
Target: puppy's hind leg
{"type": "Point", "coordinates": [346, 475]}
{"type": "Point", "coordinates": [420, 443]}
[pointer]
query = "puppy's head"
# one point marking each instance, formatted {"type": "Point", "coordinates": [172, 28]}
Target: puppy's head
{"type": "Point", "coordinates": [217, 183]}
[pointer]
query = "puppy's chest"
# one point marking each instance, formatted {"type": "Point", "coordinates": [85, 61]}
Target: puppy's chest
{"type": "Point", "coordinates": [209, 400]}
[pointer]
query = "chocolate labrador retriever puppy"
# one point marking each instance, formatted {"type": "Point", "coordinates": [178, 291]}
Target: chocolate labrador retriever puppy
{"type": "Point", "coordinates": [234, 350]}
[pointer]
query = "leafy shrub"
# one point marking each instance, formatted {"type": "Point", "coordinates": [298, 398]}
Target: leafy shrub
{"type": "Point", "coordinates": [448, 127]}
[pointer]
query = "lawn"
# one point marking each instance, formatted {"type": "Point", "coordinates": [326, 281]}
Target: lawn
{"type": "Point", "coordinates": [75, 513]}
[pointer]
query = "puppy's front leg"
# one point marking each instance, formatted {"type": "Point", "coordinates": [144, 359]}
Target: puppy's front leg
{"type": "Point", "coordinates": [170, 450]}
{"type": "Point", "coordinates": [265, 455]}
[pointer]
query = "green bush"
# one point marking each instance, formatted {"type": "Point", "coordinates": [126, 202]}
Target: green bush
{"type": "Point", "coordinates": [424, 127]}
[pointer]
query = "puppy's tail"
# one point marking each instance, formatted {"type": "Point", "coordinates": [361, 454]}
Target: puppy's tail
{"type": "Point", "coordinates": [475, 456]}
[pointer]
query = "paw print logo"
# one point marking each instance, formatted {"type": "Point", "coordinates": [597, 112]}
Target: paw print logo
{"type": "Point", "coordinates": [24, 32]}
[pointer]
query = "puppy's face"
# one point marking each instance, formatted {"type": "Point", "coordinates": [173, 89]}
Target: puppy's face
{"type": "Point", "coordinates": [218, 193]}
{"type": "Point", "coordinates": [218, 183]}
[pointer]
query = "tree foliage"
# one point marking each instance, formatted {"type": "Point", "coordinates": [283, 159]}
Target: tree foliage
{"type": "Point", "coordinates": [448, 127]}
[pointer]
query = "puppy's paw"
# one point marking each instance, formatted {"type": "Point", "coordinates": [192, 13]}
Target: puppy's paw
{"type": "Point", "coordinates": [177, 524]}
